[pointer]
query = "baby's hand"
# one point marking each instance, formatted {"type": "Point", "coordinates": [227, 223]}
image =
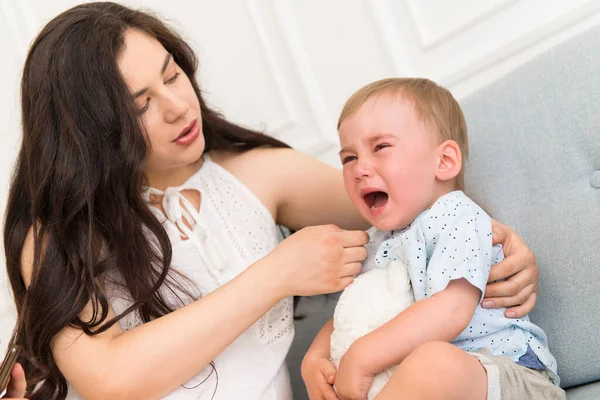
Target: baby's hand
{"type": "Point", "coordinates": [351, 381]}
{"type": "Point", "coordinates": [318, 374]}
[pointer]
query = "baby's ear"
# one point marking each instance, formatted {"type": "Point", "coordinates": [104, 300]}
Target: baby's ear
{"type": "Point", "coordinates": [449, 160]}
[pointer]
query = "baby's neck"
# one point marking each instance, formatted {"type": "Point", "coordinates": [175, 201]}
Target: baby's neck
{"type": "Point", "coordinates": [440, 191]}
{"type": "Point", "coordinates": [443, 189]}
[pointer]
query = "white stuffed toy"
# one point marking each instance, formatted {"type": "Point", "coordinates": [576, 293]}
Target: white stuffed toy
{"type": "Point", "coordinates": [373, 299]}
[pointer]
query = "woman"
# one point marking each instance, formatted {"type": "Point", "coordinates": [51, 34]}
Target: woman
{"type": "Point", "coordinates": [141, 236]}
{"type": "Point", "coordinates": [16, 384]}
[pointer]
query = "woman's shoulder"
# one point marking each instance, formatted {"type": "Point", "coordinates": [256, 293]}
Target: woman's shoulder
{"type": "Point", "coordinates": [256, 159]}
{"type": "Point", "coordinates": [27, 255]}
{"type": "Point", "coordinates": [263, 169]}
{"type": "Point", "coordinates": [260, 170]}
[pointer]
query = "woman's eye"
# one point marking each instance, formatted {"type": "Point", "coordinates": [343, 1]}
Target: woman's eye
{"type": "Point", "coordinates": [348, 159]}
{"type": "Point", "coordinates": [145, 107]}
{"type": "Point", "coordinates": [174, 78]}
{"type": "Point", "coordinates": [381, 146]}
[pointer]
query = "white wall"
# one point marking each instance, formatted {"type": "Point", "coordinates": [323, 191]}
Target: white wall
{"type": "Point", "coordinates": [287, 66]}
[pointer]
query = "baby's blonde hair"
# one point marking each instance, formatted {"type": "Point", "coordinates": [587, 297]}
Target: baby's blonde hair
{"type": "Point", "coordinates": [434, 104]}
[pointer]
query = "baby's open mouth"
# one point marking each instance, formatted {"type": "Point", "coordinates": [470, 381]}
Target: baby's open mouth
{"type": "Point", "coordinates": [374, 200]}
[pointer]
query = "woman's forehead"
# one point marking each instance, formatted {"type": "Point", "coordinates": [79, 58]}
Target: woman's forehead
{"type": "Point", "coordinates": [141, 60]}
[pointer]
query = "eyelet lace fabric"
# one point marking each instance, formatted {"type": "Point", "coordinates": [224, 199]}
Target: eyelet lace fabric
{"type": "Point", "coordinates": [231, 230]}
{"type": "Point", "coordinates": [211, 245]}
{"type": "Point", "coordinates": [252, 232]}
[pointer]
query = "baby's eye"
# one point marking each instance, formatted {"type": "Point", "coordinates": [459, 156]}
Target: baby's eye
{"type": "Point", "coordinates": [348, 159]}
{"type": "Point", "coordinates": [381, 146]}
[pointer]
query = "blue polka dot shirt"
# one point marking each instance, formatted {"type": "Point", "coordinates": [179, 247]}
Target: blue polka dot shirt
{"type": "Point", "coordinates": [453, 240]}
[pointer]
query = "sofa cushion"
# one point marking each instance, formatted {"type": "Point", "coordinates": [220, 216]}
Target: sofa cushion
{"type": "Point", "coordinates": [535, 165]}
{"type": "Point", "coordinates": [586, 392]}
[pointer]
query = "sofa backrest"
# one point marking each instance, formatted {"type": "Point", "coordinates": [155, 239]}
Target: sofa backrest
{"type": "Point", "coordinates": [535, 165]}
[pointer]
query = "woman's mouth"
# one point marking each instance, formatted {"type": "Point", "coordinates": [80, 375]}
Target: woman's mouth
{"type": "Point", "coordinates": [375, 201]}
{"type": "Point", "coordinates": [189, 134]}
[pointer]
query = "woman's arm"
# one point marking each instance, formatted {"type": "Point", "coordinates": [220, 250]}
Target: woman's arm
{"type": "Point", "coordinates": [299, 190]}
{"type": "Point", "coordinates": [153, 359]}
{"type": "Point", "coordinates": [313, 194]}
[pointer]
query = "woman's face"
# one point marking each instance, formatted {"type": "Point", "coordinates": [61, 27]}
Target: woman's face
{"type": "Point", "coordinates": [167, 104]}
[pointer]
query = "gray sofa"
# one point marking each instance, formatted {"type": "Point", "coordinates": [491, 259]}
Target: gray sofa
{"type": "Point", "coordinates": [535, 165]}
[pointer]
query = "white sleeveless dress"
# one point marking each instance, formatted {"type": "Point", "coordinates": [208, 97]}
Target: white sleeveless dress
{"type": "Point", "coordinates": [232, 230]}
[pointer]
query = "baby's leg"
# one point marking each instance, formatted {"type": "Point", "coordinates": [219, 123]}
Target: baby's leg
{"type": "Point", "coordinates": [437, 370]}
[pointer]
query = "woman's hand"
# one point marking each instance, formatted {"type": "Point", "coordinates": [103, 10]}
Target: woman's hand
{"type": "Point", "coordinates": [17, 384]}
{"type": "Point", "coordinates": [518, 292]}
{"type": "Point", "coordinates": [318, 259]}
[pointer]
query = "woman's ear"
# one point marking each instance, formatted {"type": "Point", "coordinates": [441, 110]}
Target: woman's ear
{"type": "Point", "coordinates": [449, 160]}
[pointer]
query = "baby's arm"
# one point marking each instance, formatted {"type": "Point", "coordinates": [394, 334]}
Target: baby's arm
{"type": "Point", "coordinates": [449, 253]}
{"type": "Point", "coordinates": [317, 370]}
{"type": "Point", "coordinates": [321, 343]}
{"type": "Point", "coordinates": [442, 316]}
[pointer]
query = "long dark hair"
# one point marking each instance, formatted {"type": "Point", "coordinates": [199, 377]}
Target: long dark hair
{"type": "Point", "coordinates": [78, 182]}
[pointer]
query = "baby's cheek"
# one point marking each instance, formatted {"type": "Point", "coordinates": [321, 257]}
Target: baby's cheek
{"type": "Point", "coordinates": [349, 185]}
{"type": "Point", "coordinates": [357, 201]}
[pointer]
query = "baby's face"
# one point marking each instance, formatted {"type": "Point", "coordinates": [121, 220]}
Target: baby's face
{"type": "Point", "coordinates": [389, 159]}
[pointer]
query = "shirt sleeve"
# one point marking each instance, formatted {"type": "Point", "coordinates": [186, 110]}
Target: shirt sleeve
{"type": "Point", "coordinates": [462, 245]}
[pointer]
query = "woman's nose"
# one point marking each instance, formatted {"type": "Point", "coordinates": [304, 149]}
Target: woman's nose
{"type": "Point", "coordinates": [175, 107]}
